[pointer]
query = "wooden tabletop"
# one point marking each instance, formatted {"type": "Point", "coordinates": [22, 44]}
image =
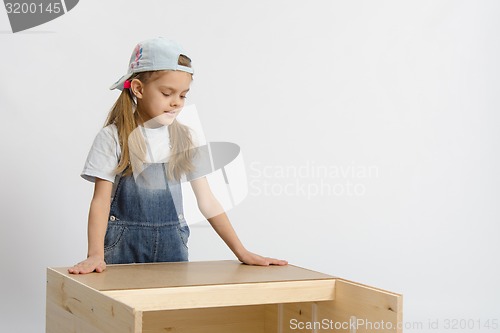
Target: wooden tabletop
{"type": "Point", "coordinates": [182, 274]}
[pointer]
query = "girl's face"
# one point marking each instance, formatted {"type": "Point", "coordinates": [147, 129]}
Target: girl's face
{"type": "Point", "coordinates": [160, 100]}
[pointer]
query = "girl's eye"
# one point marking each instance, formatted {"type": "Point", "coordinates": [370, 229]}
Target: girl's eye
{"type": "Point", "coordinates": [165, 94]}
{"type": "Point", "coordinates": [183, 97]}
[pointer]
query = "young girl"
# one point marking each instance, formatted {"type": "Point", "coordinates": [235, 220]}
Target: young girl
{"type": "Point", "coordinates": [145, 223]}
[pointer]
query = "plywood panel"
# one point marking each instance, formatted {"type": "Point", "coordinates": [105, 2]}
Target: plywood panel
{"type": "Point", "coordinates": [60, 320]}
{"type": "Point", "coordinates": [297, 316]}
{"type": "Point", "coordinates": [364, 308]}
{"type": "Point", "coordinates": [224, 295]}
{"type": "Point", "coordinates": [98, 311]}
{"type": "Point", "coordinates": [181, 274]}
{"type": "Point", "coordinates": [240, 319]}
{"type": "Point", "coordinates": [271, 318]}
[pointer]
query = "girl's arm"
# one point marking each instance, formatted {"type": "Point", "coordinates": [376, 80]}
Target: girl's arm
{"type": "Point", "coordinates": [98, 221]}
{"type": "Point", "coordinates": [213, 212]}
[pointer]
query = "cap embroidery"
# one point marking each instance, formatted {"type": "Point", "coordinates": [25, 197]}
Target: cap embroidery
{"type": "Point", "coordinates": [138, 56]}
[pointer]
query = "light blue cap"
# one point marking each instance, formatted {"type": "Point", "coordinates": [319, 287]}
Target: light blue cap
{"type": "Point", "coordinates": [153, 55]}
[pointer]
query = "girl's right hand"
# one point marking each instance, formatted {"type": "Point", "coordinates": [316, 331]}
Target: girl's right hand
{"type": "Point", "coordinates": [89, 265]}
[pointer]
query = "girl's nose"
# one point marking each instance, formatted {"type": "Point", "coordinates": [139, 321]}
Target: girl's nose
{"type": "Point", "coordinates": [176, 101]}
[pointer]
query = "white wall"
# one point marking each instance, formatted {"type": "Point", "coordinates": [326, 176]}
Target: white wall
{"type": "Point", "coordinates": [405, 91]}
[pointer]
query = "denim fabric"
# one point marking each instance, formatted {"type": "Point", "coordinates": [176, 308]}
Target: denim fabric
{"type": "Point", "coordinates": [146, 221]}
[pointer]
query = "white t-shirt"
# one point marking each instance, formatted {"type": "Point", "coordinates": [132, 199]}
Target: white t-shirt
{"type": "Point", "coordinates": [104, 155]}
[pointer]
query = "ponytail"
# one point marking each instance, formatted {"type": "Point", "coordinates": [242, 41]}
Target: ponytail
{"type": "Point", "coordinates": [122, 115]}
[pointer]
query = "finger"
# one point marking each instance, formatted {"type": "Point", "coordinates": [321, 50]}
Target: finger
{"type": "Point", "coordinates": [75, 269]}
{"type": "Point", "coordinates": [279, 262]}
{"type": "Point", "coordinates": [85, 267]}
{"type": "Point", "coordinates": [100, 268]}
{"type": "Point", "coordinates": [264, 262]}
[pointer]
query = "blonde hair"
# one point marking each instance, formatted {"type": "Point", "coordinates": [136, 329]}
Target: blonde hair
{"type": "Point", "coordinates": [126, 120]}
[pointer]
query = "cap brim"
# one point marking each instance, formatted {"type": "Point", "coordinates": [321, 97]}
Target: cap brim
{"type": "Point", "coordinates": [119, 84]}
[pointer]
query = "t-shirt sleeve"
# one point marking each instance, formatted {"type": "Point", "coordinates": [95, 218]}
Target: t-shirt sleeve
{"type": "Point", "coordinates": [103, 156]}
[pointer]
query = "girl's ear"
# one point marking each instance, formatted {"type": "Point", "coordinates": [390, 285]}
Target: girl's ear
{"type": "Point", "coordinates": [136, 88]}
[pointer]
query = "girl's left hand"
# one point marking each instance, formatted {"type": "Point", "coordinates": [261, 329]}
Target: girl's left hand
{"type": "Point", "coordinates": [250, 258]}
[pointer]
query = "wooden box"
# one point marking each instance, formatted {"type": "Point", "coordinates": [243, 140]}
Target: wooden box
{"type": "Point", "coordinates": [215, 297]}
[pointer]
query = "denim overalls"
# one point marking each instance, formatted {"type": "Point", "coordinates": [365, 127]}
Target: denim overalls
{"type": "Point", "coordinates": [146, 221]}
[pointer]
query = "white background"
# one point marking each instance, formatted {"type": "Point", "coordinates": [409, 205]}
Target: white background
{"type": "Point", "coordinates": [408, 87]}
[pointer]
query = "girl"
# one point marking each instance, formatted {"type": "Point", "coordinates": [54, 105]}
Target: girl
{"type": "Point", "coordinates": [144, 223]}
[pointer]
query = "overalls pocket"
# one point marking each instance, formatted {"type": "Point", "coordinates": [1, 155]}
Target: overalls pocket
{"type": "Point", "coordinates": [114, 233]}
{"type": "Point", "coordinates": [184, 232]}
